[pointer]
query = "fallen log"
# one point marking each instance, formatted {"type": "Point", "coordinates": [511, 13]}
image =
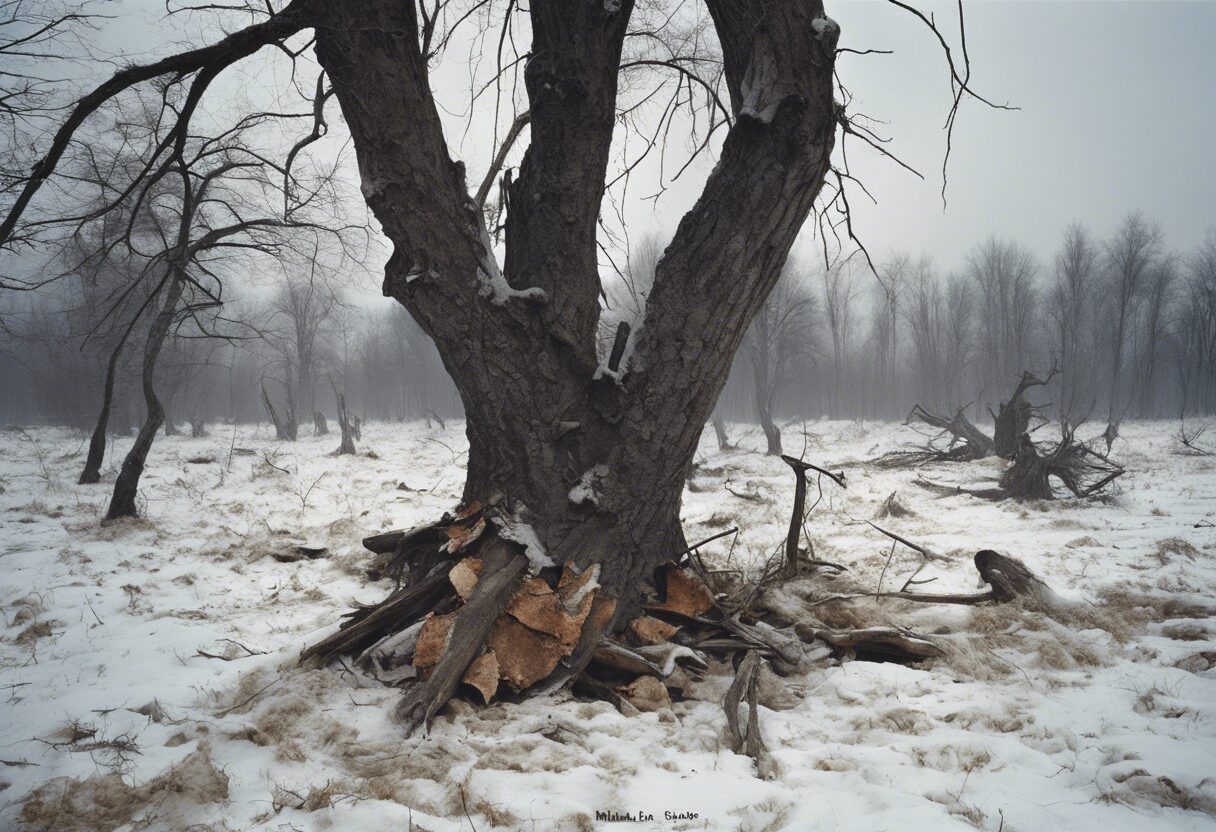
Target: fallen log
{"type": "Point", "coordinates": [386, 543]}
{"type": "Point", "coordinates": [887, 644]}
{"type": "Point", "coordinates": [967, 442]}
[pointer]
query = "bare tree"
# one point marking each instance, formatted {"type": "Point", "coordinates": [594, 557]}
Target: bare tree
{"type": "Point", "coordinates": [885, 328]}
{"type": "Point", "coordinates": [1158, 298]}
{"type": "Point", "coordinates": [1004, 273]}
{"type": "Point", "coordinates": [1072, 315]}
{"type": "Point", "coordinates": [780, 334]}
{"type": "Point", "coordinates": [520, 339]}
{"type": "Point", "coordinates": [926, 312]}
{"type": "Point", "coordinates": [303, 307]}
{"type": "Point", "coordinates": [1130, 254]}
{"type": "Point", "coordinates": [1194, 348]}
{"type": "Point", "coordinates": [840, 290]}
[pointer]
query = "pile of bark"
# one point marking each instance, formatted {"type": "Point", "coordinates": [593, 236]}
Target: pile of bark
{"type": "Point", "coordinates": [468, 618]}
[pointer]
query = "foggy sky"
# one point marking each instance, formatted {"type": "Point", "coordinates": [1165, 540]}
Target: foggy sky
{"type": "Point", "coordinates": [1117, 112]}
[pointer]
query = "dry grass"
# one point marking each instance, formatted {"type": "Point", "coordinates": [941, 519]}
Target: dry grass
{"type": "Point", "coordinates": [105, 802]}
{"type": "Point", "coordinates": [1175, 547]}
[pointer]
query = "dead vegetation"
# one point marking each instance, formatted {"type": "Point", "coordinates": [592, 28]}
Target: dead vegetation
{"type": "Point", "coordinates": [1076, 465]}
{"type": "Point", "coordinates": [466, 620]}
{"type": "Point", "coordinates": [1190, 441]}
{"type": "Point", "coordinates": [105, 802]}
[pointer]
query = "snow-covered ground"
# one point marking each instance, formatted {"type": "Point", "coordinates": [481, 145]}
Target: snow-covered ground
{"type": "Point", "coordinates": [147, 668]}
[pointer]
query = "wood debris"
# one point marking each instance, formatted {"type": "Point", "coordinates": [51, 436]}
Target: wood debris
{"type": "Point", "coordinates": [685, 595]}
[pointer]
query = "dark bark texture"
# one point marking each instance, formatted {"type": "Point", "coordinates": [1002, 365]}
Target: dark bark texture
{"type": "Point", "coordinates": [521, 345]}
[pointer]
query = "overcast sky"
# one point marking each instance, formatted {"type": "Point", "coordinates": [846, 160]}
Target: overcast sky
{"type": "Point", "coordinates": [1117, 112]}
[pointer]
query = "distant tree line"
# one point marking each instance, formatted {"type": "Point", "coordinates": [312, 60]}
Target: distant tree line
{"type": "Point", "coordinates": [1130, 324]}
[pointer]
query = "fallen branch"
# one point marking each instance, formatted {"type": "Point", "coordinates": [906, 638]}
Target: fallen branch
{"type": "Point", "coordinates": [925, 552]}
{"type": "Point", "coordinates": [745, 687]}
{"type": "Point", "coordinates": [798, 516]}
{"type": "Point", "coordinates": [874, 643]}
{"type": "Point", "coordinates": [503, 564]}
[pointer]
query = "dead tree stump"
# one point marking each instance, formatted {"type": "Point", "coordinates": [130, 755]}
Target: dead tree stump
{"type": "Point", "coordinates": [286, 428]}
{"type": "Point", "coordinates": [1076, 465]}
{"type": "Point", "coordinates": [1012, 419]}
{"type": "Point", "coordinates": [967, 442]}
{"type": "Point", "coordinates": [348, 428]}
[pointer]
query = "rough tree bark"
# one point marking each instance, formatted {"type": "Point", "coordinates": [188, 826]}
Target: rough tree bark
{"type": "Point", "coordinates": [520, 346]}
{"type": "Point", "coordinates": [520, 343]}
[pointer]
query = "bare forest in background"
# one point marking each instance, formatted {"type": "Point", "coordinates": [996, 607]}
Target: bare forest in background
{"type": "Point", "coordinates": [1129, 322]}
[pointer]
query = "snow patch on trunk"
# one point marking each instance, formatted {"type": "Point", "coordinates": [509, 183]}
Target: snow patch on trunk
{"type": "Point", "coordinates": [522, 533]}
{"type": "Point", "coordinates": [575, 600]}
{"type": "Point", "coordinates": [493, 285]}
{"type": "Point", "coordinates": [825, 27]}
{"type": "Point", "coordinates": [585, 491]}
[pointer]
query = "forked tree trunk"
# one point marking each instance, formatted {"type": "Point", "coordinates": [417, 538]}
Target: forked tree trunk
{"type": "Point", "coordinates": [772, 434]}
{"type": "Point", "coordinates": [97, 443]}
{"type": "Point", "coordinates": [126, 487]}
{"type": "Point", "coordinates": [1012, 419]}
{"type": "Point", "coordinates": [520, 343]}
{"type": "Point", "coordinates": [762, 382]}
{"type": "Point", "coordinates": [286, 428]}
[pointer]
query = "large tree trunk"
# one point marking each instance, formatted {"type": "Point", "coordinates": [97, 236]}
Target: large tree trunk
{"type": "Point", "coordinates": [1012, 419]}
{"type": "Point", "coordinates": [520, 344]}
{"type": "Point", "coordinates": [126, 487]}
